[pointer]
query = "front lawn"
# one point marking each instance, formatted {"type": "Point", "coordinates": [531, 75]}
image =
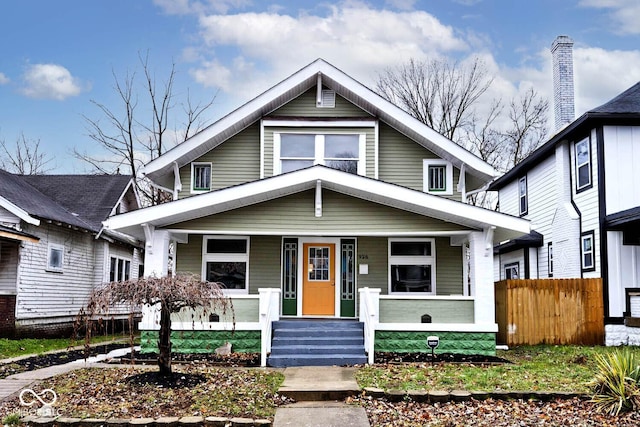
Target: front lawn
{"type": "Point", "coordinates": [21, 347]}
{"type": "Point", "coordinates": [533, 368]}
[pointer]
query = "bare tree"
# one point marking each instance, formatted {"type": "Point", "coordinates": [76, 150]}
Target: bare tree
{"type": "Point", "coordinates": [446, 97]}
{"type": "Point", "coordinates": [25, 157]}
{"type": "Point", "coordinates": [170, 293]}
{"type": "Point", "coordinates": [140, 132]}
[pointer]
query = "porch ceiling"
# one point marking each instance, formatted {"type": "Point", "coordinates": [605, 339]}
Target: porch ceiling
{"type": "Point", "coordinates": [473, 217]}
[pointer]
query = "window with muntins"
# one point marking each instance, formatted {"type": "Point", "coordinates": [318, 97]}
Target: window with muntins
{"type": "Point", "coordinates": [512, 271]}
{"type": "Point", "coordinates": [200, 177]}
{"type": "Point", "coordinates": [583, 164]}
{"type": "Point", "coordinates": [412, 266]}
{"type": "Point", "coordinates": [119, 270]}
{"type": "Point", "coordinates": [225, 260]}
{"type": "Point", "coordinates": [587, 251]}
{"type": "Point", "coordinates": [341, 151]}
{"type": "Point", "coordinates": [437, 176]}
{"type": "Point", "coordinates": [522, 195]}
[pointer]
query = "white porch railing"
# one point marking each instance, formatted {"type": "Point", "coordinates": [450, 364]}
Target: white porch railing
{"type": "Point", "coordinates": [370, 316]}
{"type": "Point", "coordinates": [269, 312]}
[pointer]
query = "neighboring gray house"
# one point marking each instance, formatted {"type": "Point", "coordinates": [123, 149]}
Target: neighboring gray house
{"type": "Point", "coordinates": [581, 192]}
{"type": "Point", "coordinates": [54, 249]}
{"type": "Point", "coordinates": [318, 199]}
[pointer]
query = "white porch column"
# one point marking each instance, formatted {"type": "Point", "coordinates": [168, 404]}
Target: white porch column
{"type": "Point", "coordinates": [481, 272]}
{"type": "Point", "coordinates": [156, 255]}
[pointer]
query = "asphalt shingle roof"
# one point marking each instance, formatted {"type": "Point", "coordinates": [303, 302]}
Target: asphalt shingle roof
{"type": "Point", "coordinates": [78, 200]}
{"type": "Point", "coordinates": [627, 102]}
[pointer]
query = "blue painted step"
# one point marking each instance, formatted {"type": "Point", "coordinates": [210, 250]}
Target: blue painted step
{"type": "Point", "coordinates": [317, 342]}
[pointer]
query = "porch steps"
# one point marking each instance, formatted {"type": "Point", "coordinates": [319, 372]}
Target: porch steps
{"type": "Point", "coordinates": [317, 342]}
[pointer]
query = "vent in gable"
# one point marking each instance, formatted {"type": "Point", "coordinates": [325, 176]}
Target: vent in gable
{"type": "Point", "coordinates": [328, 99]}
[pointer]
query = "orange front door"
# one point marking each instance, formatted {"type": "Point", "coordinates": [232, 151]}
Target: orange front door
{"type": "Point", "coordinates": [319, 281]}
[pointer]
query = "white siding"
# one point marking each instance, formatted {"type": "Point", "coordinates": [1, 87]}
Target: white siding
{"type": "Point", "coordinates": [510, 258]}
{"type": "Point", "coordinates": [508, 199]}
{"type": "Point", "coordinates": [8, 268]}
{"type": "Point", "coordinates": [624, 271]}
{"type": "Point", "coordinates": [622, 167]}
{"type": "Point", "coordinates": [587, 202]}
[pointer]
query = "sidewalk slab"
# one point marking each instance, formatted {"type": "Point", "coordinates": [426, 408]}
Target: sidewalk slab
{"type": "Point", "coordinates": [318, 383]}
{"type": "Point", "coordinates": [321, 414]}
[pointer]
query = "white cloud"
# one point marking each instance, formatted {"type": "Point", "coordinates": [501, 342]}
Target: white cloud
{"type": "Point", "coordinates": [355, 37]}
{"type": "Point", "coordinates": [4, 79]}
{"type": "Point", "coordinates": [50, 81]}
{"type": "Point", "coordinates": [185, 7]}
{"type": "Point", "coordinates": [623, 13]}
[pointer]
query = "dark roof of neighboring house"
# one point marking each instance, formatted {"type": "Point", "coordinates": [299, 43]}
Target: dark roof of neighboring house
{"type": "Point", "coordinates": [623, 109]}
{"type": "Point", "coordinates": [78, 200]}
{"type": "Point", "coordinates": [531, 240]}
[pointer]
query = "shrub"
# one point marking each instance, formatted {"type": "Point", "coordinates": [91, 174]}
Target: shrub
{"type": "Point", "coordinates": [616, 382]}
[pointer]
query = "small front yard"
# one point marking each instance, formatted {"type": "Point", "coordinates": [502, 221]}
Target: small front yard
{"type": "Point", "coordinates": [536, 368]}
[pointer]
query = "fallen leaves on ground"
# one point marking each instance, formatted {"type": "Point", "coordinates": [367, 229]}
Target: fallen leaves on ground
{"type": "Point", "coordinates": [490, 412]}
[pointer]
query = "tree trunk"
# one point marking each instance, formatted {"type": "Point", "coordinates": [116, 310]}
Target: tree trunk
{"type": "Point", "coordinates": [164, 341]}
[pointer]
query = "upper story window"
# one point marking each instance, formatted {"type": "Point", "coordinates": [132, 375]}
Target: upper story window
{"type": "Point", "coordinates": [342, 151]}
{"type": "Point", "coordinates": [583, 164]}
{"type": "Point", "coordinates": [412, 266]}
{"type": "Point", "coordinates": [55, 257]}
{"type": "Point", "coordinates": [587, 251]}
{"type": "Point", "coordinates": [200, 177]}
{"type": "Point", "coordinates": [226, 260]}
{"type": "Point", "coordinates": [522, 196]}
{"type": "Point", "coordinates": [437, 176]}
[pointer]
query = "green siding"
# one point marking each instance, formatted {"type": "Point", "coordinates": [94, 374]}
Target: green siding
{"type": "Point", "coordinates": [369, 149]}
{"type": "Point", "coordinates": [203, 341]}
{"type": "Point", "coordinates": [264, 263]}
{"type": "Point", "coordinates": [189, 255]}
{"type": "Point", "coordinates": [373, 252]}
{"type": "Point", "coordinates": [411, 311]}
{"type": "Point", "coordinates": [305, 106]}
{"type": "Point", "coordinates": [234, 162]}
{"type": "Point", "coordinates": [340, 214]}
{"type": "Point", "coordinates": [244, 310]}
{"type": "Point", "coordinates": [483, 343]}
{"type": "Point", "coordinates": [449, 270]}
{"type": "Point", "coordinates": [400, 161]}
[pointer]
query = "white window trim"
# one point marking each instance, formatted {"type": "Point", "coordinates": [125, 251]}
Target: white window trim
{"type": "Point", "coordinates": [54, 246]}
{"type": "Point", "coordinates": [230, 257]}
{"type": "Point", "coordinates": [412, 260]}
{"type": "Point", "coordinates": [525, 196]}
{"type": "Point", "coordinates": [510, 266]}
{"type": "Point", "coordinates": [588, 236]}
{"type": "Point", "coordinates": [119, 258]}
{"type": "Point", "coordinates": [319, 149]}
{"type": "Point", "coordinates": [193, 166]}
{"type": "Point", "coordinates": [550, 265]}
{"type": "Point", "coordinates": [577, 166]}
{"type": "Point", "coordinates": [448, 176]}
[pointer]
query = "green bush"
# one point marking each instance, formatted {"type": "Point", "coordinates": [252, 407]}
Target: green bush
{"type": "Point", "coordinates": [616, 382]}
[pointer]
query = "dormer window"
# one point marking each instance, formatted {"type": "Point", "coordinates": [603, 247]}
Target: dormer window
{"type": "Point", "coordinates": [200, 177]}
{"type": "Point", "coordinates": [437, 176]}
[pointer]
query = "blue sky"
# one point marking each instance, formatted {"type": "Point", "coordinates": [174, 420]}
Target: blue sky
{"type": "Point", "coordinates": [58, 57]}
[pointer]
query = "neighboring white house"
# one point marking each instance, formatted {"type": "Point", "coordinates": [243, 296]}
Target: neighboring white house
{"type": "Point", "coordinates": [319, 198]}
{"type": "Point", "coordinates": [581, 192]}
{"type": "Point", "coordinates": [54, 249]}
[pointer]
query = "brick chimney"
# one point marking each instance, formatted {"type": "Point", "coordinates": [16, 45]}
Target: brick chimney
{"type": "Point", "coordinates": [563, 104]}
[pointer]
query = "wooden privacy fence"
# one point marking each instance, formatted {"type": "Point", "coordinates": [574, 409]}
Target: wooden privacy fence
{"type": "Point", "coordinates": [550, 311]}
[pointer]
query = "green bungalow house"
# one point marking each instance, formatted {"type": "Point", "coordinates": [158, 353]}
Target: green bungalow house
{"type": "Point", "coordinates": [337, 223]}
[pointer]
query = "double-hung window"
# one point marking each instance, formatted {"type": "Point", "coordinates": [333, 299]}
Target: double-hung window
{"type": "Point", "coordinates": [342, 151]}
{"type": "Point", "coordinates": [522, 196]}
{"type": "Point", "coordinates": [587, 251]}
{"type": "Point", "coordinates": [55, 257]}
{"type": "Point", "coordinates": [412, 266]}
{"type": "Point", "coordinates": [437, 176]}
{"type": "Point", "coordinates": [225, 260]}
{"type": "Point", "coordinates": [200, 177]}
{"type": "Point", "coordinates": [583, 164]}
{"type": "Point", "coordinates": [119, 269]}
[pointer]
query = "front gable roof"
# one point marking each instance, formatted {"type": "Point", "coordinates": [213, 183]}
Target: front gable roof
{"type": "Point", "coordinates": [160, 169]}
{"type": "Point", "coordinates": [372, 190]}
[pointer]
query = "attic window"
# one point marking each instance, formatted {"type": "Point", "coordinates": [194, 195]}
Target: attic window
{"type": "Point", "coordinates": [327, 99]}
{"type": "Point", "coordinates": [437, 176]}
